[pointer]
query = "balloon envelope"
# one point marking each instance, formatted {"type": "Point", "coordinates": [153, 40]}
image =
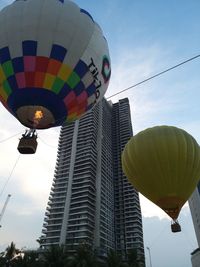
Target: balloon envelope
{"type": "Point", "coordinates": [53, 59]}
{"type": "Point", "coordinates": [163, 163]}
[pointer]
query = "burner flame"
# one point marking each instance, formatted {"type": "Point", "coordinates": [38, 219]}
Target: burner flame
{"type": "Point", "coordinates": [37, 117]}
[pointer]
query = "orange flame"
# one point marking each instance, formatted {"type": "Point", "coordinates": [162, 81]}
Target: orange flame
{"type": "Point", "coordinates": [37, 117]}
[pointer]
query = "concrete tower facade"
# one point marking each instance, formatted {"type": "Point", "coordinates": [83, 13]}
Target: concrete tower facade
{"type": "Point", "coordinates": [91, 200]}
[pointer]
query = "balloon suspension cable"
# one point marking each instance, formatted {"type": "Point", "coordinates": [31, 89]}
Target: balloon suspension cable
{"type": "Point", "coordinates": [30, 133]}
{"type": "Point", "coordinates": [36, 120]}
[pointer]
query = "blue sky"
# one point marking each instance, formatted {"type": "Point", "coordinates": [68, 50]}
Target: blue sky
{"type": "Point", "coordinates": [144, 37]}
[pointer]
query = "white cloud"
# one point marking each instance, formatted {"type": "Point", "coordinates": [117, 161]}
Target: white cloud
{"type": "Point", "coordinates": [131, 66]}
{"type": "Point", "coordinates": [149, 209]}
{"type": "Point", "coordinates": [29, 184]}
{"type": "Point", "coordinates": [167, 248]}
{"type": "Point", "coordinates": [33, 173]}
{"type": "Point", "coordinates": [170, 99]}
{"type": "Point", "coordinates": [24, 229]}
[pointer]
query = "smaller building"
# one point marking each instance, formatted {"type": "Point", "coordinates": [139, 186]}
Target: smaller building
{"type": "Point", "coordinates": [195, 258]}
{"type": "Point", "coordinates": [194, 203]}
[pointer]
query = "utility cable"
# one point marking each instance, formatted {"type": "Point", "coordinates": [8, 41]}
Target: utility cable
{"type": "Point", "coordinates": [7, 180]}
{"type": "Point", "coordinates": [46, 143]}
{"type": "Point", "coordinates": [6, 139]}
{"type": "Point", "coordinates": [189, 242]}
{"type": "Point", "coordinates": [132, 86]}
{"type": "Point", "coordinates": [154, 76]}
{"type": "Point", "coordinates": [159, 234]}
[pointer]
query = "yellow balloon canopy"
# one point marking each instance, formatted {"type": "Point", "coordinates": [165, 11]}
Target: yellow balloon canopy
{"type": "Point", "coordinates": [163, 164]}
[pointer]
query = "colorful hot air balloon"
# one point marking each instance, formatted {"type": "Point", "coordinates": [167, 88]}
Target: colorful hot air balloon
{"type": "Point", "coordinates": [54, 62]}
{"type": "Point", "coordinates": [163, 164]}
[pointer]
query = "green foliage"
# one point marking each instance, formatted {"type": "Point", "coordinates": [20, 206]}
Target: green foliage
{"type": "Point", "coordinates": [134, 259]}
{"type": "Point", "coordinates": [13, 257]}
{"type": "Point", "coordinates": [55, 256]}
{"type": "Point", "coordinates": [30, 259]}
{"type": "Point", "coordinates": [58, 256]}
{"type": "Point", "coordinates": [83, 257]}
{"type": "Point", "coordinates": [114, 259]}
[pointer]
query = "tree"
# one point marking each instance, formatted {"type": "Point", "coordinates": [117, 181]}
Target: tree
{"type": "Point", "coordinates": [134, 259]}
{"type": "Point", "coordinates": [12, 257]}
{"type": "Point", "coordinates": [55, 256]}
{"type": "Point", "coordinates": [2, 259]}
{"type": "Point", "coordinates": [30, 259]}
{"type": "Point", "coordinates": [114, 259]}
{"type": "Point", "coordinates": [83, 257]}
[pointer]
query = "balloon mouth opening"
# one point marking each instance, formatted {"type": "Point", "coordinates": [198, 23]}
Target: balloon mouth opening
{"type": "Point", "coordinates": [35, 117]}
{"type": "Point", "coordinates": [171, 205]}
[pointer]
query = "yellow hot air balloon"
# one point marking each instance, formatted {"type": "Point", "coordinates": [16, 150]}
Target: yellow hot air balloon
{"type": "Point", "coordinates": [163, 164]}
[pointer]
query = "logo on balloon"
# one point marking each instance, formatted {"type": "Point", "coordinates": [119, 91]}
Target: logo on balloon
{"type": "Point", "coordinates": [93, 69]}
{"type": "Point", "coordinates": [106, 69]}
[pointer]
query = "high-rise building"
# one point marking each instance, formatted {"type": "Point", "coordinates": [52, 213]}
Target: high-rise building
{"type": "Point", "coordinates": [91, 200]}
{"type": "Point", "coordinates": [194, 203]}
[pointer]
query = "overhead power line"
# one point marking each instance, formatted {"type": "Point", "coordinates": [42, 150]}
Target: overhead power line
{"type": "Point", "coordinates": [46, 143]}
{"type": "Point", "coordinates": [8, 138]}
{"type": "Point", "coordinates": [8, 178]}
{"type": "Point", "coordinates": [154, 76]}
